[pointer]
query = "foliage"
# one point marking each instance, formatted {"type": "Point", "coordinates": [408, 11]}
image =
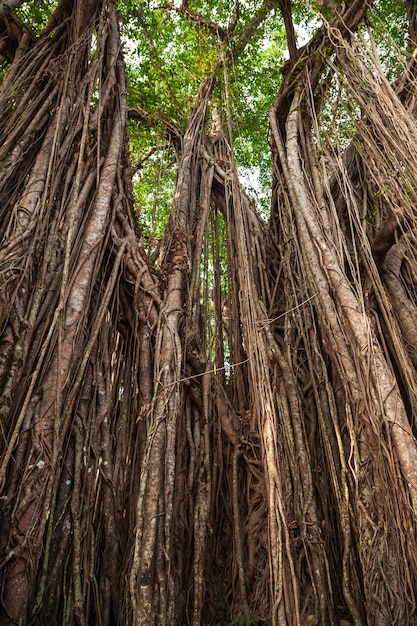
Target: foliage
{"type": "Point", "coordinates": [168, 55]}
{"type": "Point", "coordinates": [36, 14]}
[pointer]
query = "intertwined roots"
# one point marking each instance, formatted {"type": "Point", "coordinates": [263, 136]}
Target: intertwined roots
{"type": "Point", "coordinates": [228, 434]}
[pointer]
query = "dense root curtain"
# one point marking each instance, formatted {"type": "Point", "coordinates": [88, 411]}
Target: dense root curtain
{"type": "Point", "coordinates": [71, 391]}
{"type": "Point", "coordinates": [117, 505]}
{"type": "Point", "coordinates": [227, 437]}
{"type": "Point", "coordinates": [343, 220]}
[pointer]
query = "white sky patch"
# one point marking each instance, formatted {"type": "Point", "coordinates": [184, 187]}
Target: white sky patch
{"type": "Point", "coordinates": [250, 179]}
{"type": "Point", "coordinates": [305, 33]}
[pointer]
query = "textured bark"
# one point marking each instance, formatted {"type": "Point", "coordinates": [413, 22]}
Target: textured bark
{"type": "Point", "coordinates": [9, 6]}
{"type": "Point", "coordinates": [228, 437]}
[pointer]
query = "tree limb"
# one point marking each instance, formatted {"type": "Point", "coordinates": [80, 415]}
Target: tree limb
{"type": "Point", "coordinates": [286, 10]}
{"type": "Point", "coordinates": [9, 6]}
{"type": "Point", "coordinates": [214, 28]}
{"type": "Point", "coordinates": [152, 117]}
{"type": "Point", "coordinates": [250, 28]}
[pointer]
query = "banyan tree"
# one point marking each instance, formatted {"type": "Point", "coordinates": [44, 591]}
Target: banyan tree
{"type": "Point", "coordinates": [208, 403]}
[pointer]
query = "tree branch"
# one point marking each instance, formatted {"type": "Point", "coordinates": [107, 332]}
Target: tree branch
{"type": "Point", "coordinates": [9, 6]}
{"type": "Point", "coordinates": [11, 32]}
{"type": "Point", "coordinates": [250, 28]}
{"type": "Point", "coordinates": [234, 20]}
{"type": "Point", "coordinates": [155, 117]}
{"type": "Point", "coordinates": [157, 58]}
{"type": "Point", "coordinates": [286, 10]}
{"type": "Point", "coordinates": [214, 28]}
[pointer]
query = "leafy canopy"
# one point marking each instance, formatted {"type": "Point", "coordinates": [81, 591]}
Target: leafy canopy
{"type": "Point", "coordinates": [169, 53]}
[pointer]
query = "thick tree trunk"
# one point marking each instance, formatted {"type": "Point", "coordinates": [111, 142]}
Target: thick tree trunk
{"type": "Point", "coordinates": [60, 271]}
{"type": "Point", "coordinates": [228, 437]}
